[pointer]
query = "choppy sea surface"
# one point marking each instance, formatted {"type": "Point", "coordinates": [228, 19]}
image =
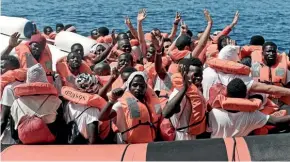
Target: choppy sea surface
{"type": "Point", "coordinates": [268, 18]}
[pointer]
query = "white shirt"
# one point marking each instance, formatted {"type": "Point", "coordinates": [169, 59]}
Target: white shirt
{"type": "Point", "coordinates": [72, 111]}
{"type": "Point", "coordinates": [226, 124]}
{"type": "Point", "coordinates": [211, 77]}
{"type": "Point", "coordinates": [181, 119]}
{"type": "Point", "coordinates": [8, 96]}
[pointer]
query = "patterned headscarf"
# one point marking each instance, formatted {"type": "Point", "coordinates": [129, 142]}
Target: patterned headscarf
{"type": "Point", "coordinates": [36, 73]}
{"type": "Point", "coordinates": [87, 83]}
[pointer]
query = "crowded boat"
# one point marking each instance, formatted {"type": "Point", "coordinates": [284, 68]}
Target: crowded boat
{"type": "Point", "coordinates": [135, 87]}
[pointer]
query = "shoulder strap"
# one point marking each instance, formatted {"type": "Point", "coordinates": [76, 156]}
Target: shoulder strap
{"type": "Point", "coordinates": [82, 113]}
{"type": "Point", "coordinates": [39, 106]}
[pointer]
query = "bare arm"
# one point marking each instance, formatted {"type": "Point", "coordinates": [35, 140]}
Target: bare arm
{"type": "Point", "coordinates": [269, 89]}
{"type": "Point", "coordinates": [103, 91]}
{"type": "Point", "coordinates": [175, 26]}
{"type": "Point", "coordinates": [141, 16]}
{"type": "Point", "coordinates": [158, 66]}
{"type": "Point", "coordinates": [173, 106]}
{"type": "Point", "coordinates": [227, 29]}
{"type": "Point", "coordinates": [13, 42]}
{"type": "Point", "coordinates": [203, 40]}
{"type": "Point", "coordinates": [130, 26]}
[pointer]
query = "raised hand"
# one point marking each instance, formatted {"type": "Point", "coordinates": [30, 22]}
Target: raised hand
{"type": "Point", "coordinates": [117, 93]}
{"type": "Point", "coordinates": [183, 27]}
{"type": "Point", "coordinates": [114, 39]}
{"type": "Point", "coordinates": [231, 42]}
{"type": "Point", "coordinates": [184, 71]}
{"type": "Point", "coordinates": [127, 21]}
{"type": "Point", "coordinates": [236, 18]}
{"type": "Point", "coordinates": [141, 15]}
{"type": "Point", "coordinates": [115, 73]}
{"type": "Point", "coordinates": [13, 41]}
{"type": "Point", "coordinates": [207, 16]}
{"type": "Point", "coordinates": [177, 17]}
{"type": "Point", "coordinates": [158, 43]}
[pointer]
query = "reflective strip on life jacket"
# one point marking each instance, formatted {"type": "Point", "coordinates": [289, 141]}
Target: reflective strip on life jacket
{"type": "Point", "coordinates": [276, 74]}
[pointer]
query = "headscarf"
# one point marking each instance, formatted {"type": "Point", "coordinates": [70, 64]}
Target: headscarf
{"type": "Point", "coordinates": [94, 47]}
{"type": "Point", "coordinates": [36, 73]}
{"type": "Point", "coordinates": [87, 83]}
{"type": "Point", "coordinates": [229, 52]}
{"type": "Point", "coordinates": [132, 76]}
{"type": "Point", "coordinates": [38, 38]}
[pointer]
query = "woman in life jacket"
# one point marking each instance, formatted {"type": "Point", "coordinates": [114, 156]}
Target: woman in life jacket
{"type": "Point", "coordinates": [85, 113]}
{"type": "Point", "coordinates": [135, 111]}
{"type": "Point", "coordinates": [186, 106]}
{"type": "Point", "coordinates": [224, 123]}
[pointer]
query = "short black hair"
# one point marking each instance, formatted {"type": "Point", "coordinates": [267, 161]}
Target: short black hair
{"type": "Point", "coordinates": [72, 53]}
{"type": "Point", "coordinates": [167, 40]}
{"type": "Point", "coordinates": [237, 89]}
{"type": "Point", "coordinates": [122, 36]}
{"type": "Point", "coordinates": [257, 40]}
{"type": "Point", "coordinates": [127, 54]}
{"type": "Point", "coordinates": [190, 62]}
{"type": "Point", "coordinates": [247, 61]}
{"type": "Point", "coordinates": [47, 27]}
{"type": "Point", "coordinates": [76, 44]}
{"type": "Point", "coordinates": [59, 25]}
{"type": "Point", "coordinates": [128, 69]}
{"type": "Point", "coordinates": [67, 26]}
{"type": "Point", "coordinates": [13, 61]}
{"type": "Point", "coordinates": [189, 32]}
{"type": "Point", "coordinates": [269, 44]}
{"type": "Point", "coordinates": [220, 41]}
{"type": "Point", "coordinates": [103, 31]}
{"type": "Point", "coordinates": [182, 42]}
{"type": "Point", "coordinates": [104, 64]}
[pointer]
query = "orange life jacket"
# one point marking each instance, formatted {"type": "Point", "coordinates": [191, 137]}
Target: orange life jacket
{"type": "Point", "coordinates": [173, 68]}
{"type": "Point", "coordinates": [12, 76]}
{"type": "Point", "coordinates": [52, 35]}
{"type": "Point", "coordinates": [134, 42]}
{"type": "Point", "coordinates": [167, 131]}
{"type": "Point", "coordinates": [68, 79]}
{"type": "Point", "coordinates": [197, 122]}
{"type": "Point", "coordinates": [248, 50]}
{"type": "Point", "coordinates": [212, 51]}
{"type": "Point", "coordinates": [89, 59]}
{"type": "Point", "coordinates": [141, 120]}
{"type": "Point", "coordinates": [117, 83]}
{"type": "Point", "coordinates": [87, 99]}
{"type": "Point", "coordinates": [149, 68]}
{"type": "Point", "coordinates": [228, 67]}
{"type": "Point", "coordinates": [166, 61]}
{"type": "Point", "coordinates": [27, 60]}
{"type": "Point", "coordinates": [37, 88]}
{"type": "Point", "coordinates": [105, 39]}
{"type": "Point", "coordinates": [177, 55]}
{"type": "Point", "coordinates": [218, 99]}
{"type": "Point", "coordinates": [277, 74]}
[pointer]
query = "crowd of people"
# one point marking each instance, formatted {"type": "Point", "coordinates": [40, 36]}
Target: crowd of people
{"type": "Point", "coordinates": [137, 87]}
